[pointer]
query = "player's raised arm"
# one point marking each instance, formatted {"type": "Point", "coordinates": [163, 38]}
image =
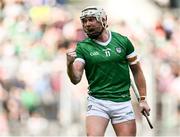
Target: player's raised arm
{"type": "Point", "coordinates": [74, 67]}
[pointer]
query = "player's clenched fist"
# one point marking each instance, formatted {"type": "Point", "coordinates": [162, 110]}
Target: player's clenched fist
{"type": "Point", "coordinates": [71, 55]}
{"type": "Point", "coordinates": [144, 106]}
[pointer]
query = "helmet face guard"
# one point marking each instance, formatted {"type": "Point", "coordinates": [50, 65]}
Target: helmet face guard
{"type": "Point", "coordinates": [98, 13]}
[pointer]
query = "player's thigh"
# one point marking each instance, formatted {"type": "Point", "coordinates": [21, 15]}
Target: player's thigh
{"type": "Point", "coordinates": [96, 125]}
{"type": "Point", "coordinates": [127, 128]}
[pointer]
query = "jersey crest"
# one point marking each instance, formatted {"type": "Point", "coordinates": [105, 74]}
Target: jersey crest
{"type": "Point", "coordinates": [118, 49]}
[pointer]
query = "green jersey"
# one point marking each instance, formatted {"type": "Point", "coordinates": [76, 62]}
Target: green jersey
{"type": "Point", "coordinates": [106, 66]}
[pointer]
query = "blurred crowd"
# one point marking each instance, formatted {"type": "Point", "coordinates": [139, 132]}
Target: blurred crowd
{"type": "Point", "coordinates": [34, 37]}
{"type": "Point", "coordinates": [166, 52]}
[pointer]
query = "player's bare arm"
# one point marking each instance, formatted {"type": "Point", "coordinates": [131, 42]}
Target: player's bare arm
{"type": "Point", "coordinates": [74, 67]}
{"type": "Point", "coordinates": [139, 78]}
{"type": "Point", "coordinates": [141, 85]}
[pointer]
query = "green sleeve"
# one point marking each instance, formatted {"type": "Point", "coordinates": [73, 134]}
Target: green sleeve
{"type": "Point", "coordinates": [79, 52]}
{"type": "Point", "coordinates": [130, 47]}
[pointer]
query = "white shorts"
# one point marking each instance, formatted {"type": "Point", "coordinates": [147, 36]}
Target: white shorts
{"type": "Point", "coordinates": [117, 112]}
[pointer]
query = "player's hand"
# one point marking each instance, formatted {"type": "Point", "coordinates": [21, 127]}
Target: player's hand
{"type": "Point", "coordinates": [71, 55]}
{"type": "Point", "coordinates": [144, 107]}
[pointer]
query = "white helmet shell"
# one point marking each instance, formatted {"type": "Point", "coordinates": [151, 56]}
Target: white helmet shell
{"type": "Point", "coordinates": [98, 13]}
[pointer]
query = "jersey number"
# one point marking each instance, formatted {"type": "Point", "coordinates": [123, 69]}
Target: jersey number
{"type": "Point", "coordinates": [107, 52]}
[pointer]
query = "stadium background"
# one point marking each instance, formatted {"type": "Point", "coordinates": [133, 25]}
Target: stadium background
{"type": "Point", "coordinates": [36, 96]}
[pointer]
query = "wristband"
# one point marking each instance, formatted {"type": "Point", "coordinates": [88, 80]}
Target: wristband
{"type": "Point", "coordinates": [142, 97]}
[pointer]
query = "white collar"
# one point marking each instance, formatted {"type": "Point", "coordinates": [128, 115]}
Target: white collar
{"type": "Point", "coordinates": [104, 43]}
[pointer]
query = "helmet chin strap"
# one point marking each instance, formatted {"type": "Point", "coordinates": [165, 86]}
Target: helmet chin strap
{"type": "Point", "coordinates": [103, 22]}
